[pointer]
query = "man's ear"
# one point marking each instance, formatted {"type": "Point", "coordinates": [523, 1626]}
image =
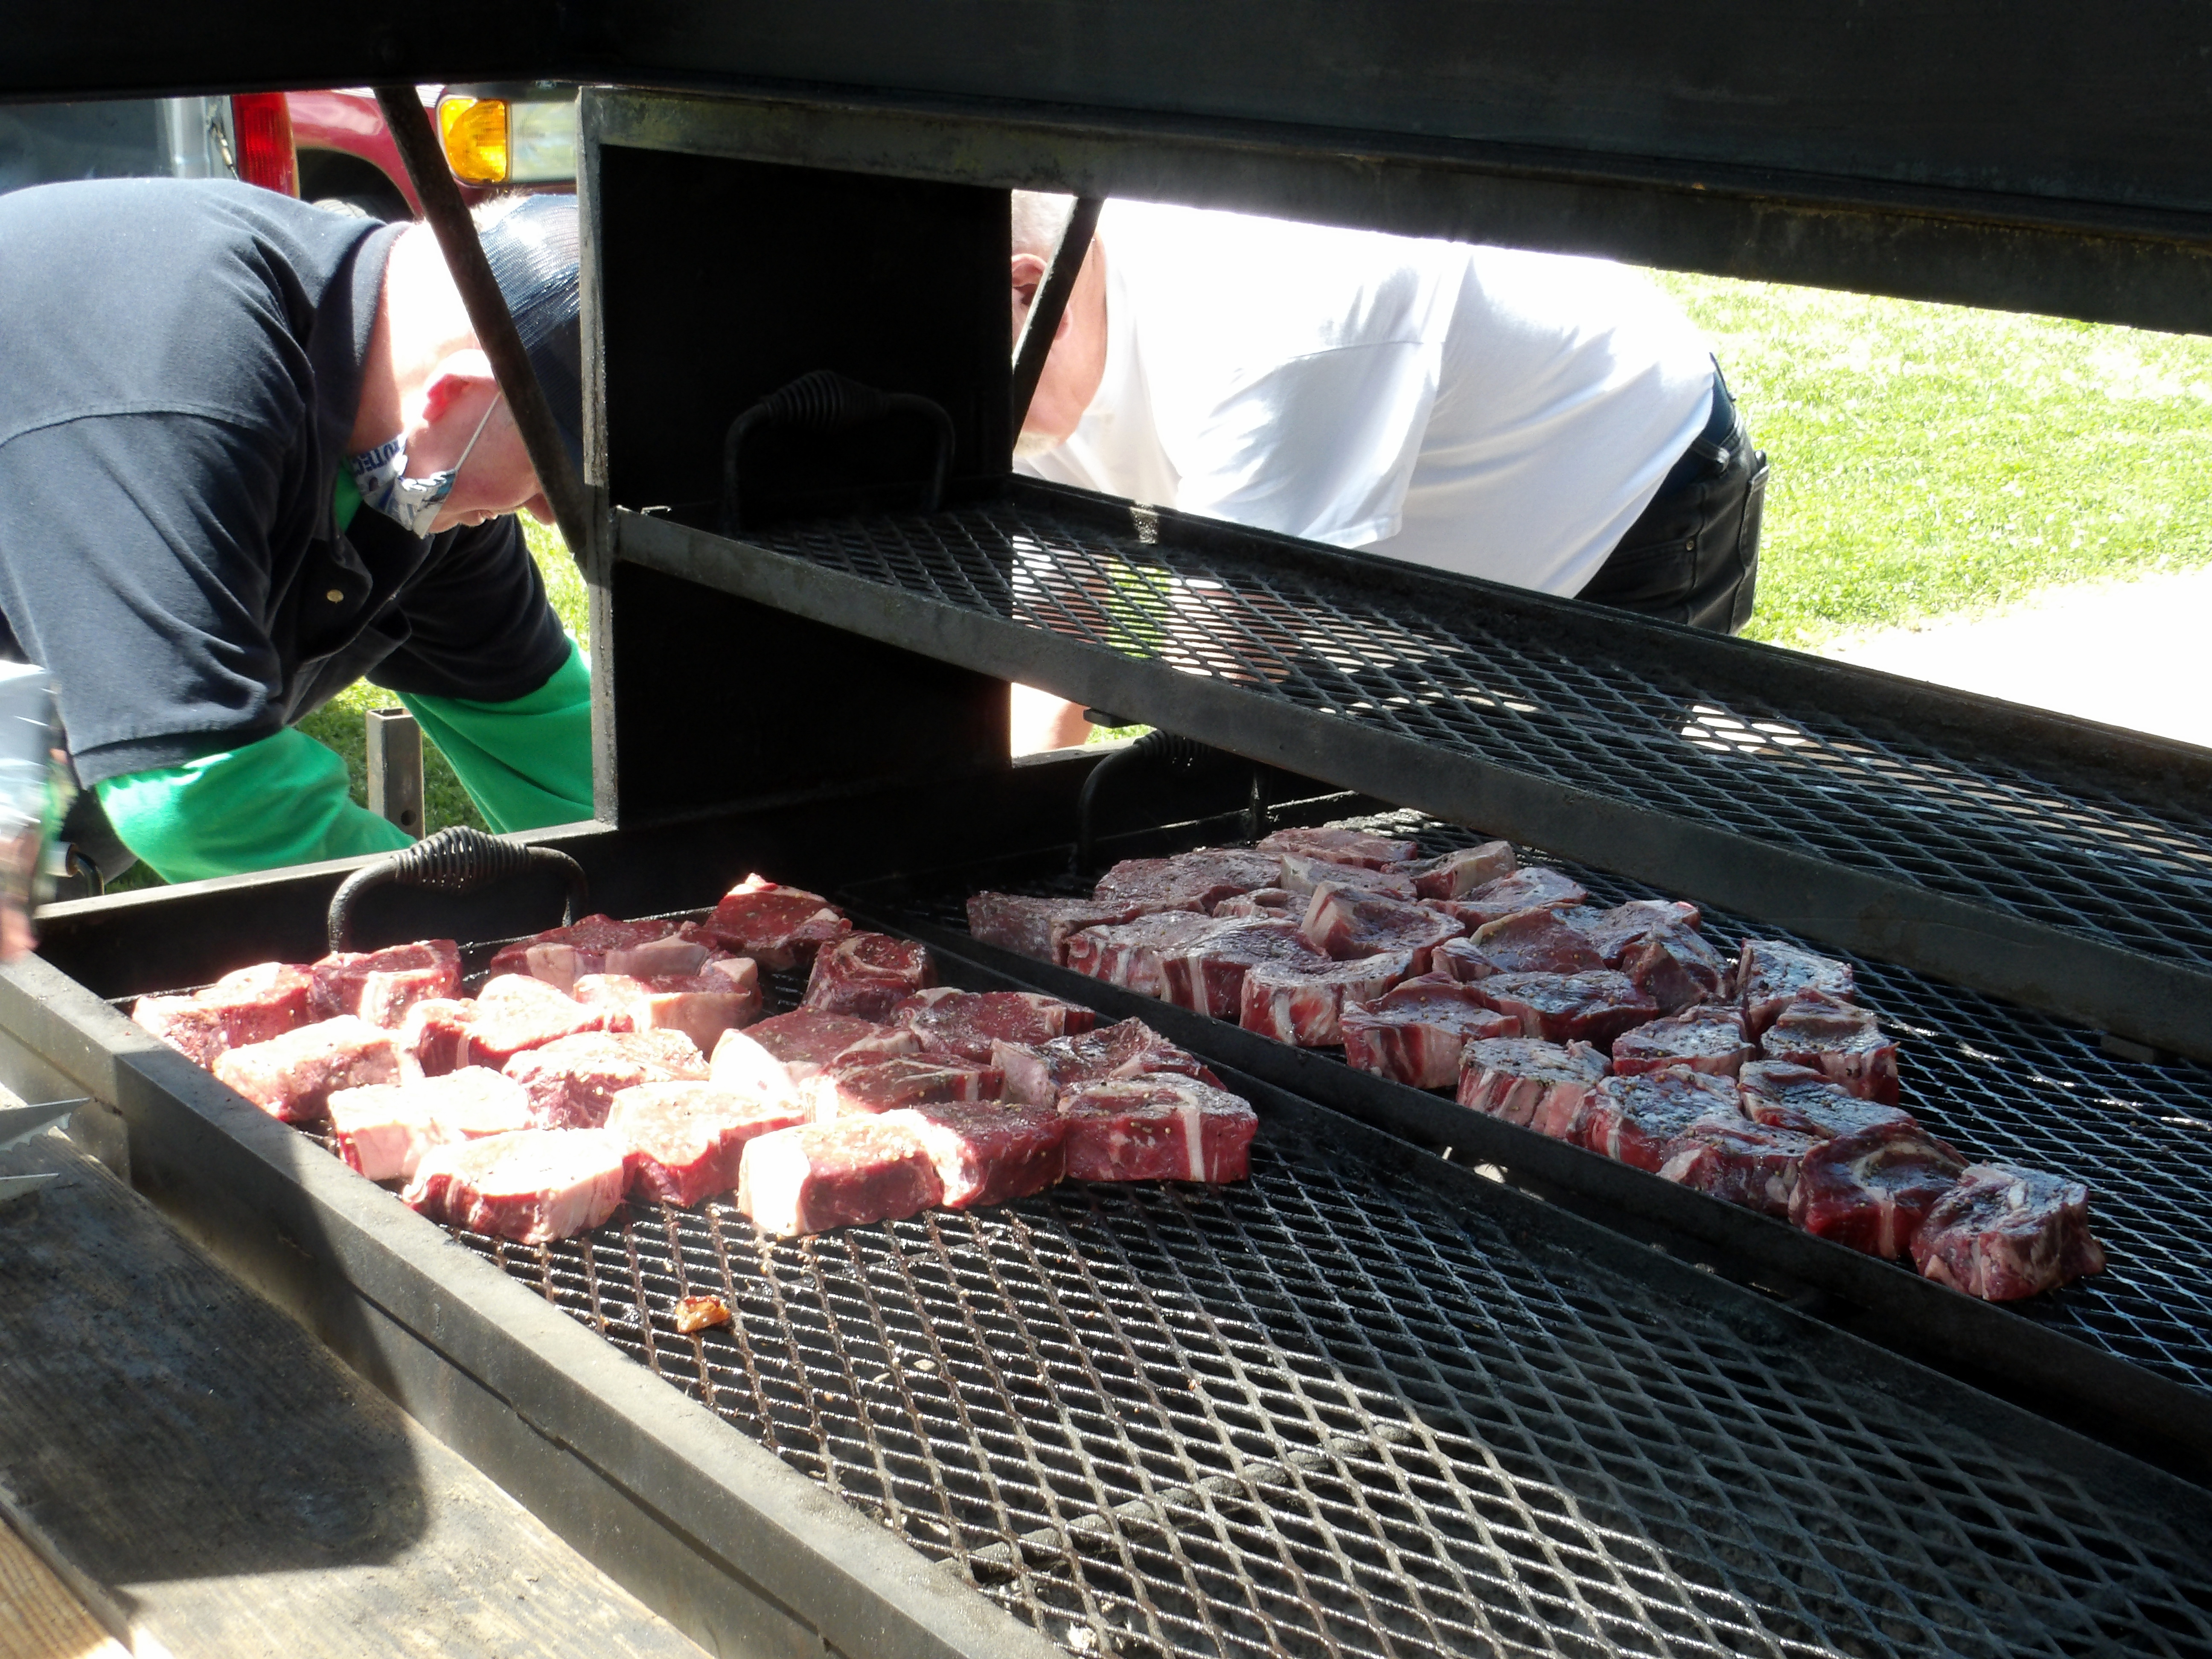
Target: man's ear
{"type": "Point", "coordinates": [1029, 277]}
{"type": "Point", "coordinates": [458, 377]}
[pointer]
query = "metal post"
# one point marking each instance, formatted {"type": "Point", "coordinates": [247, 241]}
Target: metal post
{"type": "Point", "coordinates": [1043, 320]}
{"type": "Point", "coordinates": [395, 768]}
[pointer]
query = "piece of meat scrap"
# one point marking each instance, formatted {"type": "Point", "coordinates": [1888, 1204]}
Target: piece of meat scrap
{"type": "Point", "coordinates": [1708, 1038]}
{"type": "Point", "coordinates": [1454, 875]}
{"type": "Point", "coordinates": [570, 1082]}
{"type": "Point", "coordinates": [1039, 928]}
{"type": "Point", "coordinates": [562, 956]}
{"type": "Point", "coordinates": [1417, 1032]}
{"type": "Point", "coordinates": [292, 1077]}
{"type": "Point", "coordinates": [1129, 954]}
{"type": "Point", "coordinates": [867, 974]}
{"type": "Point", "coordinates": [2003, 1233]}
{"type": "Point", "coordinates": [799, 1046]}
{"type": "Point", "coordinates": [1267, 903]}
{"type": "Point", "coordinates": [965, 1024]}
{"type": "Point", "coordinates": [427, 968]}
{"type": "Point", "coordinates": [685, 1140]}
{"type": "Point", "coordinates": [1840, 1040]}
{"type": "Point", "coordinates": [1036, 1075]}
{"type": "Point", "coordinates": [1592, 1007]}
{"type": "Point", "coordinates": [849, 1173]}
{"type": "Point", "coordinates": [1539, 1085]}
{"type": "Point", "coordinates": [1196, 880]}
{"type": "Point", "coordinates": [1631, 1120]}
{"type": "Point", "coordinates": [1536, 887]}
{"type": "Point", "coordinates": [1161, 1127]}
{"type": "Point", "coordinates": [1870, 1189]}
{"type": "Point", "coordinates": [1526, 942]}
{"type": "Point", "coordinates": [1747, 1164]}
{"type": "Point", "coordinates": [250, 1006]}
{"type": "Point", "coordinates": [1206, 973]}
{"type": "Point", "coordinates": [533, 1186]}
{"type": "Point", "coordinates": [383, 1129]}
{"type": "Point", "coordinates": [987, 1154]}
{"type": "Point", "coordinates": [1342, 846]}
{"type": "Point", "coordinates": [700, 1005]}
{"type": "Point", "coordinates": [1789, 1097]}
{"type": "Point", "coordinates": [1769, 973]}
{"type": "Point", "coordinates": [1346, 924]}
{"type": "Point", "coordinates": [779, 927]}
{"type": "Point", "coordinates": [872, 1083]}
{"type": "Point", "coordinates": [1303, 1003]}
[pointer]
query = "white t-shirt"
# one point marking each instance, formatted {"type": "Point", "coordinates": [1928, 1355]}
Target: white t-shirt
{"type": "Point", "coordinates": [1480, 410]}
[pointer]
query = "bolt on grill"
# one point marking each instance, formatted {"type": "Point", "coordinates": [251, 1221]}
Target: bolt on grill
{"type": "Point", "coordinates": [1629, 726]}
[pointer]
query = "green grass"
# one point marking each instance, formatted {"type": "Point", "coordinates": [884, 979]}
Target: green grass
{"type": "Point", "coordinates": [1931, 459]}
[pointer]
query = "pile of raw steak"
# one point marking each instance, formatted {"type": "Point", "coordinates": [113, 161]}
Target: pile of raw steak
{"type": "Point", "coordinates": [1758, 1080]}
{"type": "Point", "coordinates": [614, 1058]}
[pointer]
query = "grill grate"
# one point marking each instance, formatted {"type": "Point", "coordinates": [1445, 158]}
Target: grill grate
{"type": "Point", "coordinates": [1887, 801]}
{"type": "Point", "coordinates": [1999, 1082]}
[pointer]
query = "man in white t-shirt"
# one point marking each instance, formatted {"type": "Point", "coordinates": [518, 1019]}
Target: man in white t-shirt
{"type": "Point", "coordinates": [1544, 421]}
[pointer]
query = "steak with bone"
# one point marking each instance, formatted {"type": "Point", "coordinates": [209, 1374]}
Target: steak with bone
{"type": "Point", "coordinates": [1770, 973]}
{"type": "Point", "coordinates": [1039, 928]}
{"type": "Point", "coordinates": [1708, 1038]}
{"type": "Point", "coordinates": [871, 1083]}
{"type": "Point", "coordinates": [1612, 932]}
{"type": "Point", "coordinates": [989, 1154]}
{"type": "Point", "coordinates": [407, 973]}
{"type": "Point", "coordinates": [779, 927]}
{"type": "Point", "coordinates": [1206, 973]}
{"type": "Point", "coordinates": [1267, 903]}
{"type": "Point", "coordinates": [1675, 967]}
{"type": "Point", "coordinates": [867, 974]}
{"type": "Point", "coordinates": [1161, 1127]}
{"type": "Point", "coordinates": [1302, 874]}
{"type": "Point", "coordinates": [1036, 1075]}
{"type": "Point", "coordinates": [851, 1172]}
{"type": "Point", "coordinates": [965, 1025]}
{"type": "Point", "coordinates": [1347, 924]}
{"type": "Point", "coordinates": [700, 1005]}
{"type": "Point", "coordinates": [1841, 1041]}
{"type": "Point", "coordinates": [1129, 954]}
{"type": "Point", "coordinates": [1342, 846]}
{"type": "Point", "coordinates": [1454, 875]}
{"type": "Point", "coordinates": [784, 1051]}
{"type": "Point", "coordinates": [1189, 881]}
{"type": "Point", "coordinates": [1302, 1002]}
{"type": "Point", "coordinates": [511, 1013]}
{"type": "Point", "coordinates": [1745, 1164]}
{"type": "Point", "coordinates": [383, 1129]}
{"type": "Point", "coordinates": [562, 956]}
{"type": "Point", "coordinates": [571, 1081]}
{"type": "Point", "coordinates": [533, 1186]}
{"type": "Point", "coordinates": [1538, 1085]}
{"type": "Point", "coordinates": [1536, 887]}
{"type": "Point", "coordinates": [1870, 1189]}
{"type": "Point", "coordinates": [1592, 1007]}
{"type": "Point", "coordinates": [1526, 942]}
{"type": "Point", "coordinates": [1789, 1097]}
{"type": "Point", "coordinates": [292, 1077]}
{"type": "Point", "coordinates": [2003, 1233]}
{"type": "Point", "coordinates": [250, 1006]}
{"type": "Point", "coordinates": [1416, 1031]}
{"type": "Point", "coordinates": [685, 1140]}
{"type": "Point", "coordinates": [1632, 1119]}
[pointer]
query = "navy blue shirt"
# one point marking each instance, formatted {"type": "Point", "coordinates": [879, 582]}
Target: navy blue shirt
{"type": "Point", "coordinates": [181, 367]}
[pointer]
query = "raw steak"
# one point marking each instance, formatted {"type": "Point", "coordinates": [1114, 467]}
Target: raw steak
{"type": "Point", "coordinates": [700, 1005]}
{"type": "Point", "coordinates": [849, 1173]}
{"type": "Point", "coordinates": [1347, 924]}
{"type": "Point", "coordinates": [562, 956]}
{"type": "Point", "coordinates": [867, 974]}
{"type": "Point", "coordinates": [1538, 1085]}
{"type": "Point", "coordinates": [1455, 874]}
{"type": "Point", "coordinates": [433, 1038]}
{"type": "Point", "coordinates": [1746, 1164]}
{"type": "Point", "coordinates": [1594, 1008]}
{"type": "Point", "coordinates": [871, 1084]}
{"type": "Point", "coordinates": [1675, 966]}
{"type": "Point", "coordinates": [1036, 1076]}
{"type": "Point", "coordinates": [1612, 932]}
{"type": "Point", "coordinates": [989, 1154]}
{"type": "Point", "coordinates": [1769, 973]}
{"type": "Point", "coordinates": [1189, 881]}
{"type": "Point", "coordinates": [570, 1083]}
{"type": "Point", "coordinates": [1206, 974]}
{"type": "Point", "coordinates": [1303, 874]}
{"type": "Point", "coordinates": [779, 927]}
{"type": "Point", "coordinates": [511, 1013]}
{"type": "Point", "coordinates": [1538, 887]}
{"type": "Point", "coordinates": [533, 1186]}
{"type": "Point", "coordinates": [1039, 928]}
{"type": "Point", "coordinates": [2003, 1233]}
{"type": "Point", "coordinates": [1416, 1031]}
{"type": "Point", "coordinates": [340, 978]}
{"type": "Point", "coordinates": [250, 1005]}
{"type": "Point", "coordinates": [383, 1129]}
{"type": "Point", "coordinates": [802, 1045]}
{"type": "Point", "coordinates": [965, 1024]}
{"type": "Point", "coordinates": [1705, 1039]}
{"type": "Point", "coordinates": [1162, 1127]}
{"type": "Point", "coordinates": [1128, 954]}
{"type": "Point", "coordinates": [686, 1140]}
{"type": "Point", "coordinates": [1632, 1119]}
{"type": "Point", "coordinates": [291, 1077]}
{"type": "Point", "coordinates": [1872, 1189]}
{"type": "Point", "coordinates": [1304, 1003]}
{"type": "Point", "coordinates": [186, 1025]}
{"type": "Point", "coordinates": [1789, 1097]}
{"type": "Point", "coordinates": [1269, 904]}
{"type": "Point", "coordinates": [1838, 1039]}
{"type": "Point", "coordinates": [1341, 846]}
{"type": "Point", "coordinates": [1526, 942]}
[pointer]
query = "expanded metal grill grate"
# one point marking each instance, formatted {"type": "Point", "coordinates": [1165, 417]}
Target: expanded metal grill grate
{"type": "Point", "coordinates": [2000, 1083]}
{"type": "Point", "coordinates": [1628, 725]}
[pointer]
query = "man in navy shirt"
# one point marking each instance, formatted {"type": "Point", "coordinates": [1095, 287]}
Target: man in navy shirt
{"type": "Point", "coordinates": [250, 454]}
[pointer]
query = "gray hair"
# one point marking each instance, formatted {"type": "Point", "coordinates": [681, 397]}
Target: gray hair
{"type": "Point", "coordinates": [1039, 220]}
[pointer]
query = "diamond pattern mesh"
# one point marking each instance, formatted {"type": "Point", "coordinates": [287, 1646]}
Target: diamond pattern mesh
{"type": "Point", "coordinates": [1627, 725]}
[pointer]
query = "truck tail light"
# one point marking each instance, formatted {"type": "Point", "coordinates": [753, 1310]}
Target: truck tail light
{"type": "Point", "coordinates": [498, 141]}
{"type": "Point", "coordinates": [263, 122]}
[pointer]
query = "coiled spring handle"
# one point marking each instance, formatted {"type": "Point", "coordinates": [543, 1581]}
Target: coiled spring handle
{"type": "Point", "coordinates": [457, 860]}
{"type": "Point", "coordinates": [826, 401]}
{"type": "Point", "coordinates": [1156, 747]}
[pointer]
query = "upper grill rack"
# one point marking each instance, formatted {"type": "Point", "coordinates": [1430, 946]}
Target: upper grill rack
{"type": "Point", "coordinates": [1625, 720]}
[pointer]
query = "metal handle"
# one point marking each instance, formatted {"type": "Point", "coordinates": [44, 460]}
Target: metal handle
{"type": "Point", "coordinates": [1171, 750]}
{"type": "Point", "coordinates": [826, 401]}
{"type": "Point", "coordinates": [457, 860]}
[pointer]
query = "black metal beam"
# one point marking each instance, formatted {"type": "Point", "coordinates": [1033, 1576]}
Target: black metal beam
{"type": "Point", "coordinates": [1050, 304]}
